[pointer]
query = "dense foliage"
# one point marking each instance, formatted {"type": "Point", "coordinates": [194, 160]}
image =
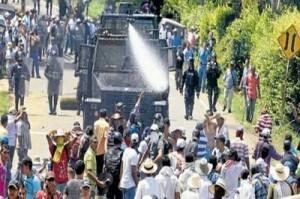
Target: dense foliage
{"type": "Point", "coordinates": [253, 33]}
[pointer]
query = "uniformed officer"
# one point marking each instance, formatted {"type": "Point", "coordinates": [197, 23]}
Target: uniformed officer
{"type": "Point", "coordinates": [190, 81]}
{"type": "Point", "coordinates": [213, 73]}
{"type": "Point", "coordinates": [20, 74]}
{"type": "Point", "coordinates": [113, 160]}
{"type": "Point", "coordinates": [81, 87]}
{"type": "Point", "coordinates": [79, 38]}
{"type": "Point", "coordinates": [54, 74]}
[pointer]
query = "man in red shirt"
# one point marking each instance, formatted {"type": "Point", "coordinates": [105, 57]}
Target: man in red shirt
{"type": "Point", "coordinates": [59, 148]}
{"type": "Point", "coordinates": [253, 93]}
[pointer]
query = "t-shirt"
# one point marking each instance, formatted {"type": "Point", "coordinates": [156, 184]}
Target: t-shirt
{"type": "Point", "coordinates": [149, 187]}
{"type": "Point", "coordinates": [45, 195]}
{"type": "Point", "coordinates": [24, 140]}
{"type": "Point", "coordinates": [3, 175]}
{"type": "Point", "coordinates": [101, 128]}
{"type": "Point", "coordinates": [72, 189]}
{"type": "Point", "coordinates": [168, 181]}
{"type": "Point", "coordinates": [11, 130]}
{"type": "Point", "coordinates": [60, 169]}
{"type": "Point", "coordinates": [129, 159]}
{"type": "Point", "coordinates": [230, 172]}
{"type": "Point", "coordinates": [90, 165]}
{"type": "Point", "coordinates": [252, 83]}
{"type": "Point", "coordinates": [32, 186]}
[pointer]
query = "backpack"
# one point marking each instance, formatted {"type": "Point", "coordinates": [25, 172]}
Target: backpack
{"type": "Point", "coordinates": [113, 159]}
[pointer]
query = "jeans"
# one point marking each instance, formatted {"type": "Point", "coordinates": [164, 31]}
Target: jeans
{"type": "Point", "coordinates": [202, 78]}
{"type": "Point", "coordinates": [100, 163]}
{"type": "Point", "coordinates": [213, 94]}
{"type": "Point", "coordinates": [250, 109]}
{"type": "Point", "coordinates": [22, 153]}
{"type": "Point", "coordinates": [11, 154]}
{"type": "Point", "coordinates": [228, 95]}
{"type": "Point", "coordinates": [128, 193]}
{"type": "Point", "coordinates": [114, 191]}
{"type": "Point", "coordinates": [189, 97]}
{"type": "Point", "coordinates": [245, 99]}
{"type": "Point", "coordinates": [35, 63]}
{"type": "Point", "coordinates": [178, 78]}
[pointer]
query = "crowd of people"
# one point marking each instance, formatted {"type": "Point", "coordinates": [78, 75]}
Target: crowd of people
{"type": "Point", "coordinates": [30, 39]}
{"type": "Point", "coordinates": [117, 158]}
{"type": "Point", "coordinates": [205, 75]}
{"type": "Point", "coordinates": [120, 157]}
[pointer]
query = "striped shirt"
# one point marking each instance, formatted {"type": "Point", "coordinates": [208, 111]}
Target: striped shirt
{"type": "Point", "coordinates": [241, 147]}
{"type": "Point", "coordinates": [202, 145]}
{"type": "Point", "coordinates": [264, 121]}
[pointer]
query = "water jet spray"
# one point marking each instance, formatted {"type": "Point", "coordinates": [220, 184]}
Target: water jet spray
{"type": "Point", "coordinates": [148, 62]}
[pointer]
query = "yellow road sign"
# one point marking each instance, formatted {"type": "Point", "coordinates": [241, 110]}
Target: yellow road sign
{"type": "Point", "coordinates": [289, 42]}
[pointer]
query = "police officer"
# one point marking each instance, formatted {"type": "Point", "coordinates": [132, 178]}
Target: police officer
{"type": "Point", "coordinates": [79, 38]}
{"type": "Point", "coordinates": [213, 74]}
{"type": "Point", "coordinates": [81, 87]}
{"type": "Point", "coordinates": [190, 81]}
{"type": "Point", "coordinates": [20, 74]}
{"type": "Point", "coordinates": [179, 66]}
{"type": "Point", "coordinates": [54, 74]}
{"type": "Point", "coordinates": [113, 160]}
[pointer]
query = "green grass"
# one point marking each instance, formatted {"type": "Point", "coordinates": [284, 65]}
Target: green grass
{"type": "Point", "coordinates": [95, 8]}
{"type": "Point", "coordinates": [4, 102]}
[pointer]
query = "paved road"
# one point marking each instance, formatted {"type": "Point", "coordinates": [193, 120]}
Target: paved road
{"type": "Point", "coordinates": [41, 122]}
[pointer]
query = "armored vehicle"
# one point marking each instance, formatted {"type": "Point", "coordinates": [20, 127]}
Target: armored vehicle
{"type": "Point", "coordinates": [114, 75]}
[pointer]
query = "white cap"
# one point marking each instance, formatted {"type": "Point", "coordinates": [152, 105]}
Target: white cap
{"type": "Point", "coordinates": [143, 147]}
{"type": "Point", "coordinates": [154, 127]}
{"type": "Point", "coordinates": [134, 138]}
{"type": "Point", "coordinates": [180, 143]}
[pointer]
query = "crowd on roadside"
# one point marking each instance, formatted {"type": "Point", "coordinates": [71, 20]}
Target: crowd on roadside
{"type": "Point", "coordinates": [30, 39]}
{"type": "Point", "coordinates": [197, 70]}
{"type": "Point", "coordinates": [119, 158]}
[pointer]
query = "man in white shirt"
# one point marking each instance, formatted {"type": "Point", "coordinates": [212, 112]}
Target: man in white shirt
{"type": "Point", "coordinates": [203, 168]}
{"type": "Point", "coordinates": [246, 189]}
{"type": "Point", "coordinates": [149, 186]}
{"type": "Point", "coordinates": [12, 133]}
{"type": "Point", "coordinates": [129, 179]}
{"type": "Point", "coordinates": [220, 150]}
{"type": "Point", "coordinates": [222, 129]}
{"type": "Point", "coordinates": [230, 172]}
{"type": "Point", "coordinates": [167, 180]}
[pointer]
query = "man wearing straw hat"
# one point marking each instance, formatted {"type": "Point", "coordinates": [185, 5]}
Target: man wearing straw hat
{"type": "Point", "coordinates": [194, 183]}
{"type": "Point", "coordinates": [281, 188]}
{"type": "Point", "coordinates": [149, 186]}
{"type": "Point", "coordinates": [218, 189]}
{"type": "Point", "coordinates": [203, 168]}
{"type": "Point", "coordinates": [59, 148]}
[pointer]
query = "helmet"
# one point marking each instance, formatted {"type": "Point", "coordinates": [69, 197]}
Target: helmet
{"type": "Point", "coordinates": [118, 138]}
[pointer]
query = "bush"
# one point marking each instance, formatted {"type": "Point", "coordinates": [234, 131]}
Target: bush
{"type": "Point", "coordinates": [267, 56]}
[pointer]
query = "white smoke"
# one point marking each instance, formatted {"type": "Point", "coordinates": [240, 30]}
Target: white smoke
{"type": "Point", "coordinates": [148, 63]}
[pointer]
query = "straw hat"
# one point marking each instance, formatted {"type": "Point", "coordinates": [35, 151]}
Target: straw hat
{"type": "Point", "coordinates": [194, 181]}
{"type": "Point", "coordinates": [202, 167]}
{"type": "Point", "coordinates": [220, 182]}
{"type": "Point", "coordinates": [149, 167]}
{"type": "Point", "coordinates": [280, 172]}
{"type": "Point", "coordinates": [59, 133]}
